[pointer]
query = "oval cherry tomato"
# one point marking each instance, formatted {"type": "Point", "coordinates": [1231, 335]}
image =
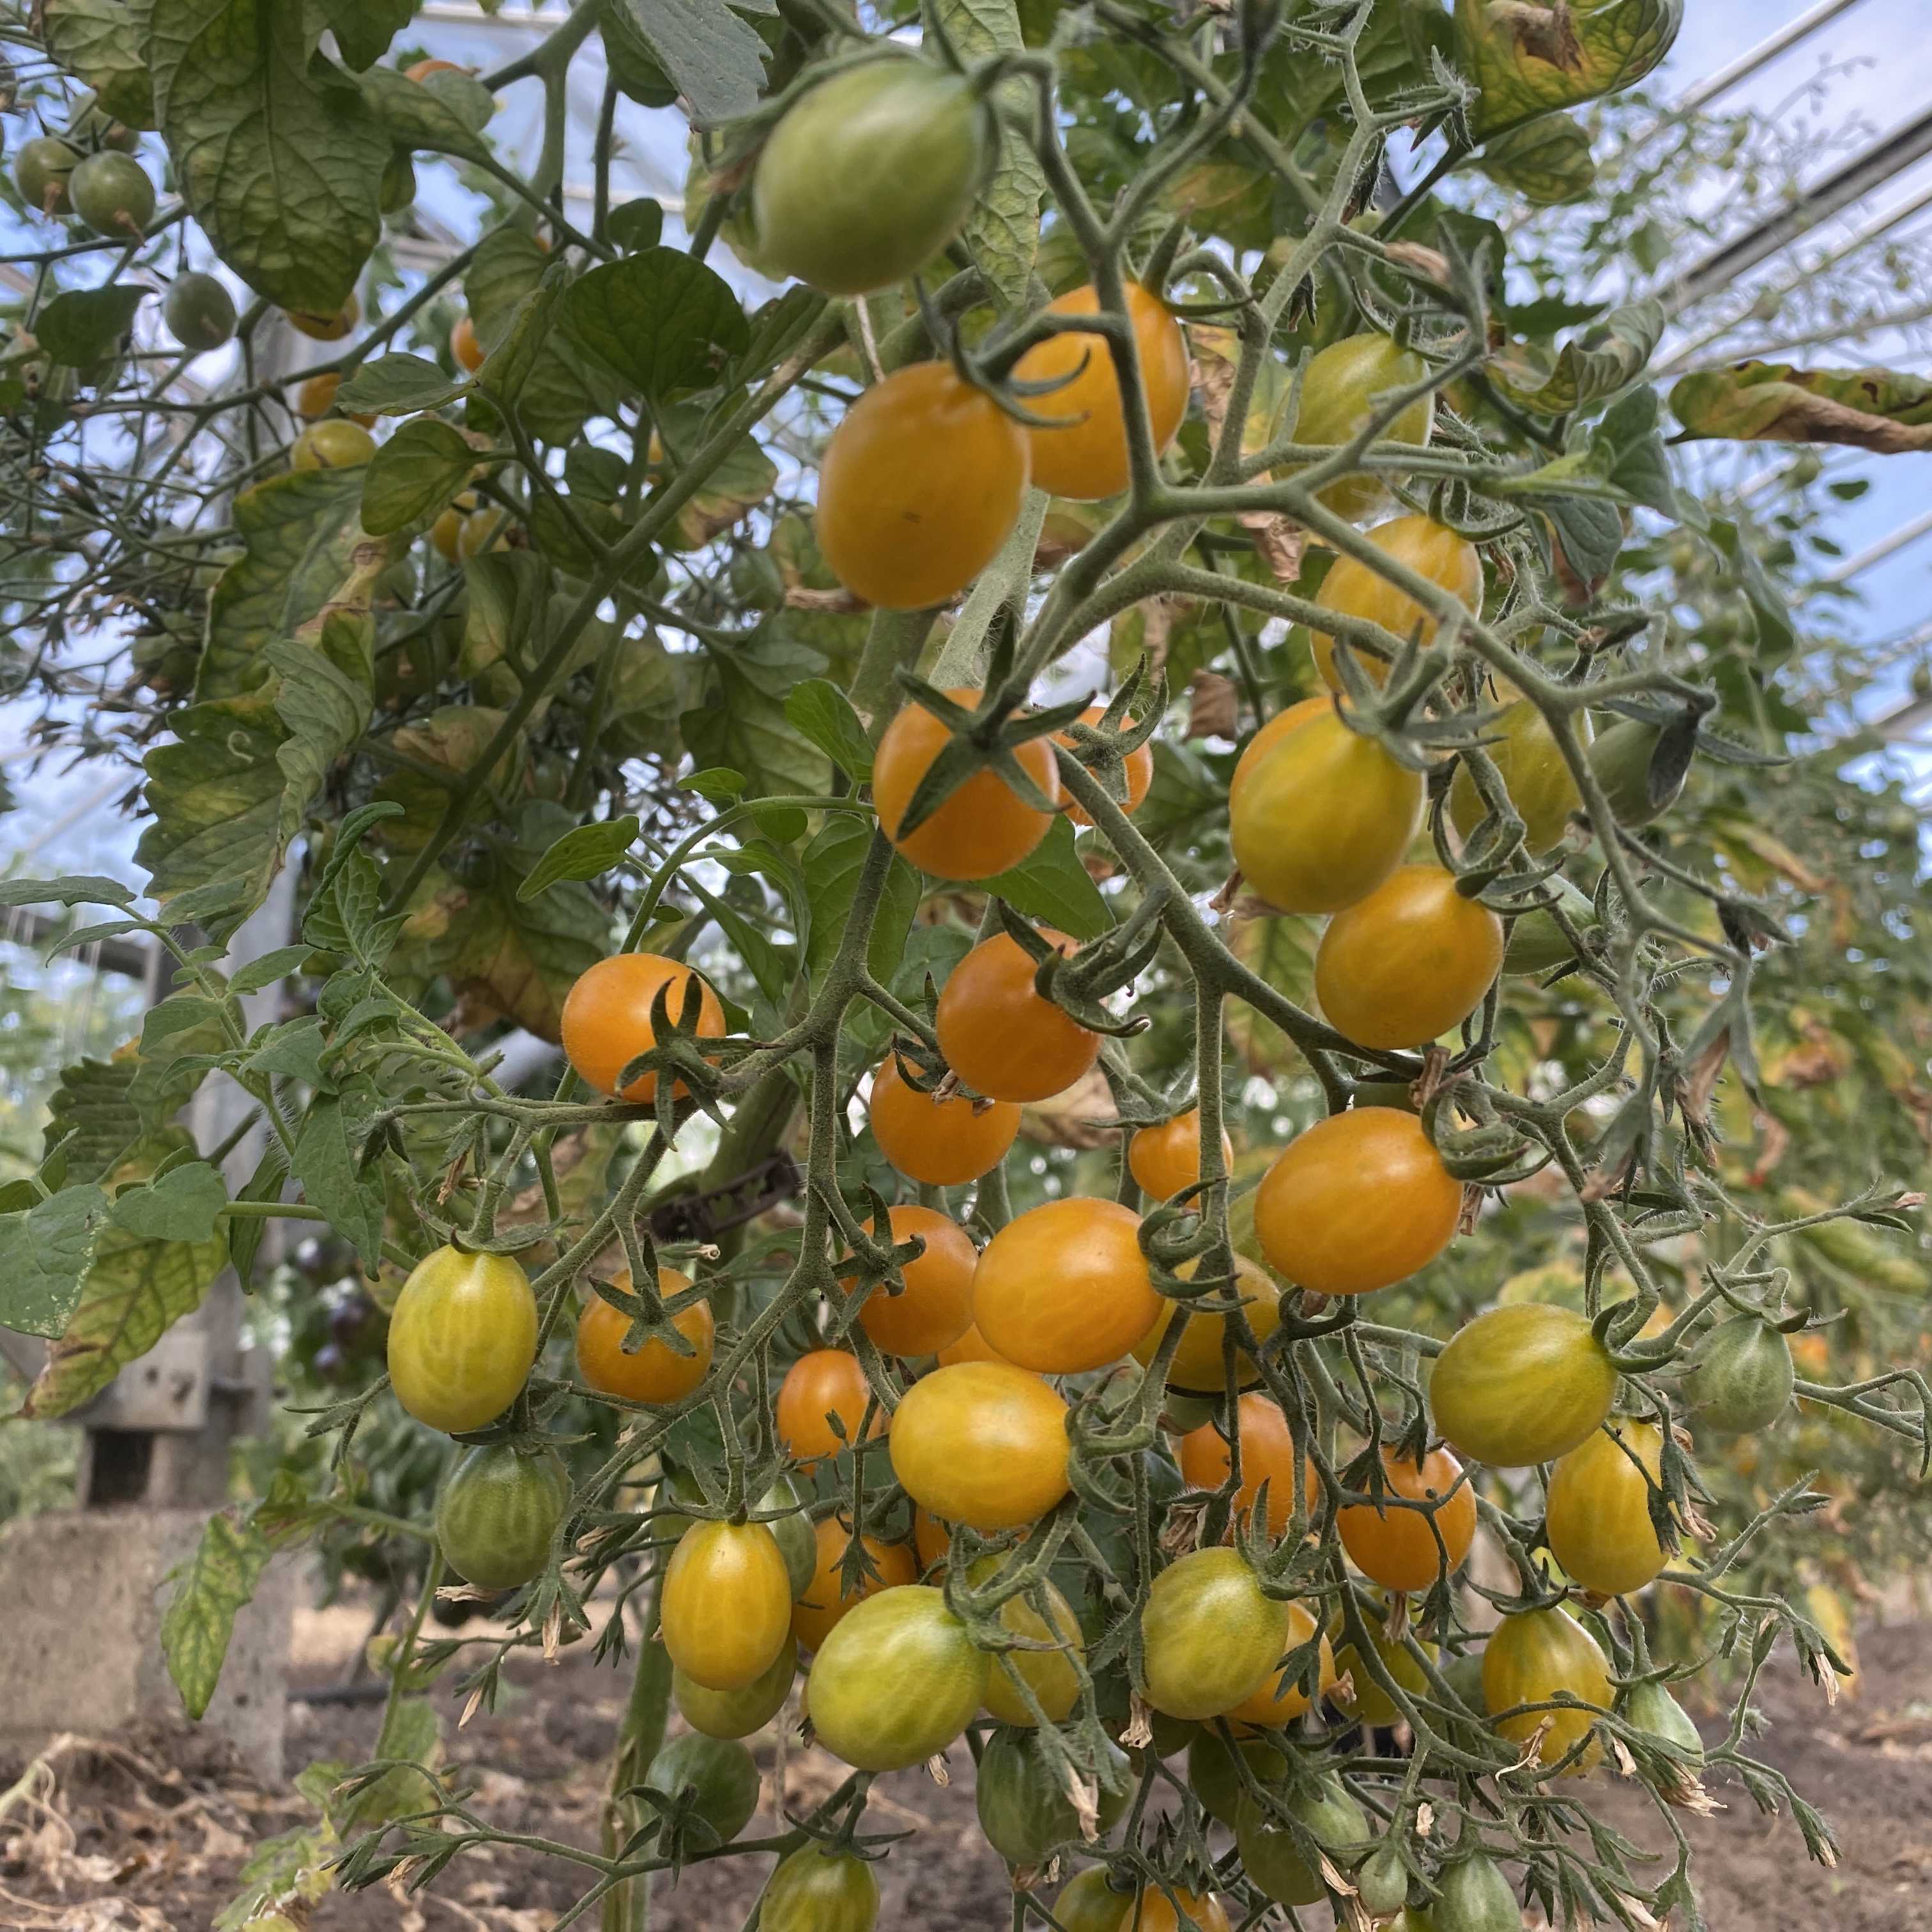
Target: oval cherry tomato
{"type": "Point", "coordinates": [720, 1777]}
{"type": "Point", "coordinates": [825, 1599]}
{"type": "Point", "coordinates": [1065, 1287]}
{"type": "Point", "coordinates": [1472, 1895]}
{"type": "Point", "coordinates": [1165, 1159]}
{"type": "Point", "coordinates": [981, 1443]}
{"type": "Point", "coordinates": [1353, 589]}
{"type": "Point", "coordinates": [1337, 399]}
{"type": "Point", "coordinates": [1324, 816]}
{"type": "Point", "coordinates": [1209, 1637]}
{"type": "Point", "coordinates": [1049, 1672]}
{"type": "Point", "coordinates": [970, 1347]}
{"type": "Point", "coordinates": [1529, 1659]}
{"type": "Point", "coordinates": [1598, 1524]}
{"type": "Point", "coordinates": [1359, 1201]}
{"type": "Point", "coordinates": [895, 1681]}
{"type": "Point", "coordinates": [816, 1889]}
{"type": "Point", "coordinates": [1522, 1383]}
{"type": "Point", "coordinates": [463, 1338]}
{"type": "Point", "coordinates": [1084, 457]}
{"type": "Point", "coordinates": [726, 1609]}
{"type": "Point", "coordinates": [1153, 1911]}
{"type": "Point", "coordinates": [944, 1143]}
{"type": "Point", "coordinates": [1622, 760]}
{"type": "Point", "coordinates": [737, 1713]}
{"type": "Point", "coordinates": [1743, 1377]}
{"type": "Point", "coordinates": [1270, 1856]}
{"type": "Point", "coordinates": [983, 827]}
{"type": "Point", "coordinates": [1267, 1456]}
{"type": "Point", "coordinates": [608, 1019]}
{"type": "Point", "coordinates": [1087, 1903]}
{"type": "Point", "coordinates": [1025, 1813]}
{"type": "Point", "coordinates": [823, 1382]}
{"type": "Point", "coordinates": [1139, 768]}
{"type": "Point", "coordinates": [336, 443]}
{"type": "Point", "coordinates": [997, 1033]}
{"type": "Point", "coordinates": [1282, 1699]}
{"type": "Point", "coordinates": [498, 1513]}
{"type": "Point", "coordinates": [935, 1306]}
{"type": "Point", "coordinates": [466, 349]}
{"type": "Point", "coordinates": [780, 1509]}
{"type": "Point", "coordinates": [199, 312]}
{"type": "Point", "coordinates": [1539, 783]}
{"type": "Point", "coordinates": [655, 1372]}
{"type": "Point", "coordinates": [1198, 1361]}
{"type": "Point", "coordinates": [1270, 735]}
{"type": "Point", "coordinates": [1395, 1547]}
{"type": "Point", "coordinates": [1408, 963]}
{"type": "Point", "coordinates": [932, 1540]}
{"type": "Point", "coordinates": [1214, 1776]}
{"type": "Point", "coordinates": [919, 486]}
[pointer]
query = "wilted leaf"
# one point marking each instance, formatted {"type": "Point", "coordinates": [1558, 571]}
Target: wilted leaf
{"type": "Point", "coordinates": [1887, 410]}
{"type": "Point", "coordinates": [1547, 162]}
{"type": "Point", "coordinates": [1607, 356]}
{"type": "Point", "coordinates": [217, 1583]}
{"type": "Point", "coordinates": [1529, 59]}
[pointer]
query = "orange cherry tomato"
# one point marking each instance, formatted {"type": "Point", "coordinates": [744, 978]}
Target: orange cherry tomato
{"type": "Point", "coordinates": [1165, 1159]}
{"type": "Point", "coordinates": [1085, 455]}
{"type": "Point", "coordinates": [465, 347]}
{"type": "Point", "coordinates": [1267, 1456]}
{"type": "Point", "coordinates": [1197, 1363]}
{"type": "Point", "coordinates": [932, 1539]}
{"type": "Point", "coordinates": [1414, 958]}
{"type": "Point", "coordinates": [997, 1033]}
{"type": "Point", "coordinates": [824, 1382]}
{"type": "Point", "coordinates": [823, 1601]}
{"type": "Point", "coordinates": [1139, 770]}
{"type": "Point", "coordinates": [944, 1143]}
{"type": "Point", "coordinates": [1353, 589]}
{"type": "Point", "coordinates": [1065, 1287]}
{"type": "Point", "coordinates": [1153, 1911]}
{"type": "Point", "coordinates": [1393, 1547]}
{"type": "Point", "coordinates": [655, 1372]}
{"type": "Point", "coordinates": [726, 1612]}
{"type": "Point", "coordinates": [1360, 1201]}
{"type": "Point", "coordinates": [936, 1306]}
{"type": "Point", "coordinates": [982, 828]}
{"type": "Point", "coordinates": [1268, 736]}
{"type": "Point", "coordinates": [970, 1347]}
{"type": "Point", "coordinates": [608, 1022]}
{"type": "Point", "coordinates": [1280, 1701]}
{"type": "Point", "coordinates": [981, 1443]}
{"type": "Point", "coordinates": [316, 398]}
{"type": "Point", "coordinates": [919, 486]}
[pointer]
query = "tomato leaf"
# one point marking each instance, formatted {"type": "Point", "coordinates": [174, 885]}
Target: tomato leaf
{"type": "Point", "coordinates": [1002, 232]}
{"type": "Point", "coordinates": [1051, 884]}
{"type": "Point", "coordinates": [662, 321]}
{"type": "Point", "coordinates": [445, 113]}
{"type": "Point", "coordinates": [101, 40]}
{"type": "Point", "coordinates": [413, 474]}
{"type": "Point", "coordinates": [326, 1161]}
{"type": "Point", "coordinates": [183, 1204]}
{"type": "Point", "coordinates": [1887, 410]}
{"type": "Point", "coordinates": [215, 1583]}
{"type": "Point", "coordinates": [746, 729]}
{"type": "Point", "coordinates": [832, 862]}
{"type": "Point", "coordinates": [84, 324]}
{"type": "Point", "coordinates": [1609, 355]}
{"type": "Point", "coordinates": [82, 889]}
{"type": "Point", "coordinates": [564, 385]}
{"type": "Point", "coordinates": [45, 1254]}
{"type": "Point", "coordinates": [1547, 161]}
{"type": "Point", "coordinates": [363, 29]}
{"type": "Point", "coordinates": [711, 56]}
{"type": "Point", "coordinates": [824, 714]}
{"type": "Point", "coordinates": [588, 852]}
{"type": "Point", "coordinates": [398, 386]}
{"type": "Point", "coordinates": [1529, 59]}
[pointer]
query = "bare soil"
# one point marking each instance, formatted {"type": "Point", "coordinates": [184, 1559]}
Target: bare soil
{"type": "Point", "coordinates": [142, 1834]}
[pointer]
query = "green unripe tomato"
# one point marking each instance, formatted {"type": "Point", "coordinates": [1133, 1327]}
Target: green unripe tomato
{"type": "Point", "coordinates": [737, 1713]}
{"type": "Point", "coordinates": [1536, 942]}
{"type": "Point", "coordinates": [870, 175]}
{"type": "Point", "coordinates": [1649, 1708]}
{"type": "Point", "coordinates": [1213, 1778]}
{"type": "Point", "coordinates": [1743, 1379]}
{"type": "Point", "coordinates": [816, 1890]}
{"type": "Point", "coordinates": [1024, 1811]}
{"type": "Point", "coordinates": [398, 189]}
{"type": "Point", "coordinates": [42, 171]}
{"type": "Point", "coordinates": [498, 1514]}
{"type": "Point", "coordinates": [1382, 1884]}
{"type": "Point", "coordinates": [1334, 406]}
{"type": "Point", "coordinates": [1473, 1896]}
{"type": "Point", "coordinates": [1269, 1854]}
{"type": "Point", "coordinates": [335, 443]}
{"type": "Point", "coordinates": [199, 312]}
{"type": "Point", "coordinates": [722, 1778]}
{"type": "Point", "coordinates": [1621, 759]}
{"type": "Point", "coordinates": [112, 194]}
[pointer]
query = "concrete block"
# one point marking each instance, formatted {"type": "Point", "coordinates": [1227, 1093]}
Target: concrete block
{"type": "Point", "coordinates": [84, 1593]}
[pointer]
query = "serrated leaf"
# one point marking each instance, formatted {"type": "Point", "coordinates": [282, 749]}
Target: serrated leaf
{"type": "Point", "coordinates": [660, 320]}
{"type": "Point", "coordinates": [713, 58]}
{"type": "Point", "coordinates": [270, 967]}
{"type": "Point", "coordinates": [832, 864]}
{"type": "Point", "coordinates": [245, 1232]}
{"type": "Point", "coordinates": [183, 1204]}
{"type": "Point", "coordinates": [325, 1162]}
{"type": "Point", "coordinates": [1529, 59]}
{"type": "Point", "coordinates": [398, 386]}
{"type": "Point", "coordinates": [276, 151]}
{"type": "Point", "coordinates": [1002, 232]}
{"type": "Point", "coordinates": [1052, 885]}
{"type": "Point", "coordinates": [564, 387]}
{"type": "Point", "coordinates": [587, 852]}
{"type": "Point", "coordinates": [215, 1584]}
{"type": "Point", "coordinates": [1886, 410]}
{"type": "Point", "coordinates": [79, 327]}
{"type": "Point", "coordinates": [746, 729]}
{"type": "Point", "coordinates": [1547, 162]}
{"type": "Point", "coordinates": [102, 41]}
{"type": "Point", "coordinates": [445, 113]}
{"type": "Point", "coordinates": [413, 474]}
{"type": "Point", "coordinates": [1607, 356]}
{"type": "Point", "coordinates": [823, 713]}
{"type": "Point", "coordinates": [45, 1254]}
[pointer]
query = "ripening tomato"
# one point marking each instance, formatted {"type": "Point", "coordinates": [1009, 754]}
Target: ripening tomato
{"type": "Point", "coordinates": [983, 827]}
{"type": "Point", "coordinates": [1598, 1524]}
{"type": "Point", "coordinates": [607, 1018]}
{"type": "Point", "coordinates": [932, 1539]}
{"type": "Point", "coordinates": [970, 1347]}
{"type": "Point", "coordinates": [935, 1306]}
{"type": "Point", "coordinates": [1084, 455]}
{"type": "Point", "coordinates": [318, 327]}
{"type": "Point", "coordinates": [942, 1143]}
{"type": "Point", "coordinates": [1395, 1547]}
{"type": "Point", "coordinates": [1138, 768]}
{"type": "Point", "coordinates": [1359, 1201]}
{"type": "Point", "coordinates": [655, 1372]}
{"type": "Point", "coordinates": [726, 1608]}
{"type": "Point", "coordinates": [1325, 816]}
{"type": "Point", "coordinates": [919, 486]}
{"type": "Point", "coordinates": [1267, 1456]}
{"type": "Point", "coordinates": [1353, 589]}
{"type": "Point", "coordinates": [1197, 1363]}
{"type": "Point", "coordinates": [335, 443]}
{"type": "Point", "coordinates": [421, 69]}
{"type": "Point", "coordinates": [1402, 967]}
{"type": "Point", "coordinates": [463, 1338]}
{"type": "Point", "coordinates": [1153, 1911]}
{"type": "Point", "coordinates": [485, 530]}
{"type": "Point", "coordinates": [1521, 1384]}
{"type": "Point", "coordinates": [465, 348]}
{"type": "Point", "coordinates": [997, 1033]}
{"type": "Point", "coordinates": [446, 533]}
{"type": "Point", "coordinates": [1209, 1636]}
{"type": "Point", "coordinates": [1065, 1286]}
{"type": "Point", "coordinates": [737, 1713]}
{"type": "Point", "coordinates": [822, 1383]}
{"type": "Point", "coordinates": [1049, 1673]}
{"type": "Point", "coordinates": [825, 1599]}
{"type": "Point", "coordinates": [816, 1889]}
{"type": "Point", "coordinates": [316, 398]}
{"type": "Point", "coordinates": [1281, 1699]}
{"type": "Point", "coordinates": [1164, 1159]}
{"type": "Point", "coordinates": [896, 1681]}
{"type": "Point", "coordinates": [982, 1443]}
{"type": "Point", "coordinates": [1087, 1903]}
{"type": "Point", "coordinates": [1270, 735]}
{"type": "Point", "coordinates": [870, 173]}
{"type": "Point", "coordinates": [1529, 1659]}
{"type": "Point", "coordinates": [1271, 1856]}
{"type": "Point", "coordinates": [1531, 767]}
{"type": "Point", "coordinates": [498, 1513]}
{"type": "Point", "coordinates": [1337, 398]}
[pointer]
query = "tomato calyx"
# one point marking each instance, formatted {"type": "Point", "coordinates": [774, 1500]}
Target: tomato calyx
{"type": "Point", "coordinates": [649, 1313]}
{"type": "Point", "coordinates": [1104, 747]}
{"type": "Point", "coordinates": [1078, 982]}
{"type": "Point", "coordinates": [985, 740]}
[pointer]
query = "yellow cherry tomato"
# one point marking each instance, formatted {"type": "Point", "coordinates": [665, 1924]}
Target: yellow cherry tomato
{"type": "Point", "coordinates": [1353, 589]}
{"type": "Point", "coordinates": [1209, 1636]}
{"type": "Point", "coordinates": [1337, 399]}
{"type": "Point", "coordinates": [1598, 1523]}
{"type": "Point", "coordinates": [726, 1609]}
{"type": "Point", "coordinates": [463, 1338]}
{"type": "Point", "coordinates": [981, 1443]}
{"type": "Point", "coordinates": [1533, 1657]}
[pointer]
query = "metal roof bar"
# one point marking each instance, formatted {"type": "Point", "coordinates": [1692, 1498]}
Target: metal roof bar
{"type": "Point", "coordinates": [1886, 546]}
{"type": "Point", "coordinates": [1764, 53]}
